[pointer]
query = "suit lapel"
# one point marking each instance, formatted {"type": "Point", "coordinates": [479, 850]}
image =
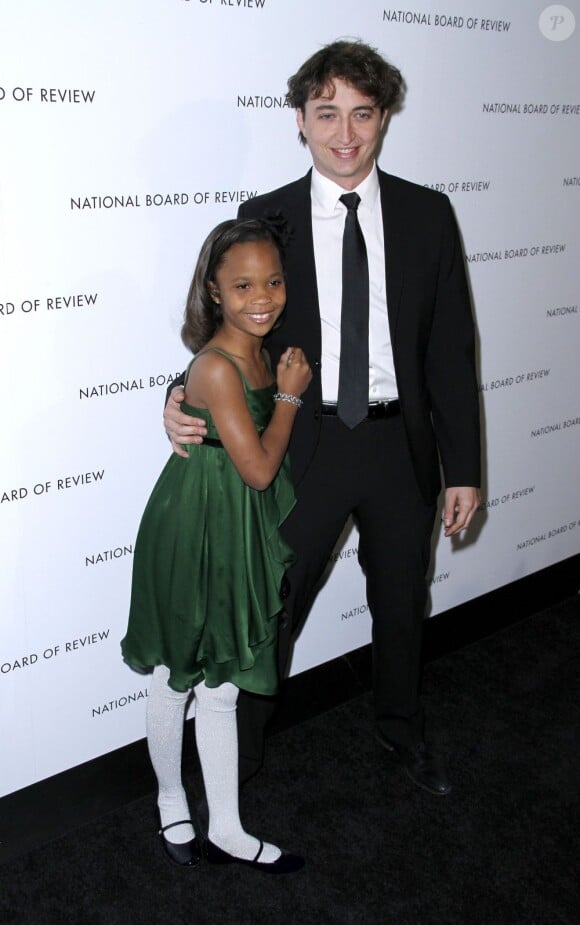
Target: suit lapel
{"type": "Point", "coordinates": [393, 225]}
{"type": "Point", "coordinates": [301, 267]}
{"type": "Point", "coordinates": [299, 213]}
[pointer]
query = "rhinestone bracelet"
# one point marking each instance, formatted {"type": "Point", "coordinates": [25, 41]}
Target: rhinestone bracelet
{"type": "Point", "coordinates": [291, 399]}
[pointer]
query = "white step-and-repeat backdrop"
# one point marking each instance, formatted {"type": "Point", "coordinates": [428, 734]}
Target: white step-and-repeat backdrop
{"type": "Point", "coordinates": [129, 129]}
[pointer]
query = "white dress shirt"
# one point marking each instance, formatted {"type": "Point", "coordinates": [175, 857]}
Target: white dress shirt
{"type": "Point", "coordinates": [328, 218]}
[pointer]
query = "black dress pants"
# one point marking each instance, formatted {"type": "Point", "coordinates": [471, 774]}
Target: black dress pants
{"type": "Point", "coordinates": [367, 473]}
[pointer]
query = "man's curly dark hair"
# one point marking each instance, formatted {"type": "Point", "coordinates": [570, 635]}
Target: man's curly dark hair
{"type": "Point", "coordinates": [352, 61]}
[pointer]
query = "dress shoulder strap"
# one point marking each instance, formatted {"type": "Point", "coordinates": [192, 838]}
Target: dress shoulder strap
{"type": "Point", "coordinates": [227, 357]}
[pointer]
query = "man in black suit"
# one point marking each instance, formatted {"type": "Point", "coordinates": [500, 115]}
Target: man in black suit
{"type": "Point", "coordinates": [376, 281]}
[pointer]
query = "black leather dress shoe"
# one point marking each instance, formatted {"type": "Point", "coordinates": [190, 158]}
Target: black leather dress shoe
{"type": "Point", "coordinates": [286, 864]}
{"type": "Point", "coordinates": [424, 768]}
{"type": "Point", "coordinates": [187, 854]}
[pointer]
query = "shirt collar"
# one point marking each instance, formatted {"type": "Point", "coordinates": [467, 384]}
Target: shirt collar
{"type": "Point", "coordinates": [326, 193]}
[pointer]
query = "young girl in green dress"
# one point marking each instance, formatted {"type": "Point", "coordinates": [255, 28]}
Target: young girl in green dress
{"type": "Point", "coordinates": [209, 560]}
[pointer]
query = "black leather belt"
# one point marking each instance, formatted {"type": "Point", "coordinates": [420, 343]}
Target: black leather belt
{"type": "Point", "coordinates": [376, 411]}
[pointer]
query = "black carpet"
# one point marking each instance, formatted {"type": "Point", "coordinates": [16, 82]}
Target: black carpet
{"type": "Point", "coordinates": [501, 849]}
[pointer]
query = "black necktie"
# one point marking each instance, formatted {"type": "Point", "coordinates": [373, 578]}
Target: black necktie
{"type": "Point", "coordinates": [353, 378]}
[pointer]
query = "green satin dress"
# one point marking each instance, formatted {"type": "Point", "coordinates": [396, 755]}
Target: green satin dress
{"type": "Point", "coordinates": [208, 565]}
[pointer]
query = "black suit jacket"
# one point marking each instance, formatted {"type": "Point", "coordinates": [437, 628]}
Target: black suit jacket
{"type": "Point", "coordinates": [431, 327]}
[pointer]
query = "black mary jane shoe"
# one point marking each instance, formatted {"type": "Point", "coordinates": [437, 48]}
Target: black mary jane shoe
{"type": "Point", "coordinates": [187, 854]}
{"type": "Point", "coordinates": [286, 864]}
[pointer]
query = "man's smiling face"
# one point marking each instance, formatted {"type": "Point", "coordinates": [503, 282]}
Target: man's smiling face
{"type": "Point", "coordinates": [343, 133]}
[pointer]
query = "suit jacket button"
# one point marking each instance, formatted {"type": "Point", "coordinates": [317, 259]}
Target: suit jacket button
{"type": "Point", "coordinates": [317, 415]}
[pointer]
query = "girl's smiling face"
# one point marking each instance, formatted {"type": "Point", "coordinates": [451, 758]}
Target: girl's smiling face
{"type": "Point", "coordinates": [250, 287]}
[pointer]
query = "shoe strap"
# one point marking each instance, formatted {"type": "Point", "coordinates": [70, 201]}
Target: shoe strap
{"type": "Point", "coordinates": [260, 849]}
{"type": "Point", "coordinates": [172, 824]}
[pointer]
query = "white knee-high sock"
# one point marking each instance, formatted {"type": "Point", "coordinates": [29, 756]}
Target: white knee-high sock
{"type": "Point", "coordinates": [217, 743]}
{"type": "Point", "coordinates": [165, 716]}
